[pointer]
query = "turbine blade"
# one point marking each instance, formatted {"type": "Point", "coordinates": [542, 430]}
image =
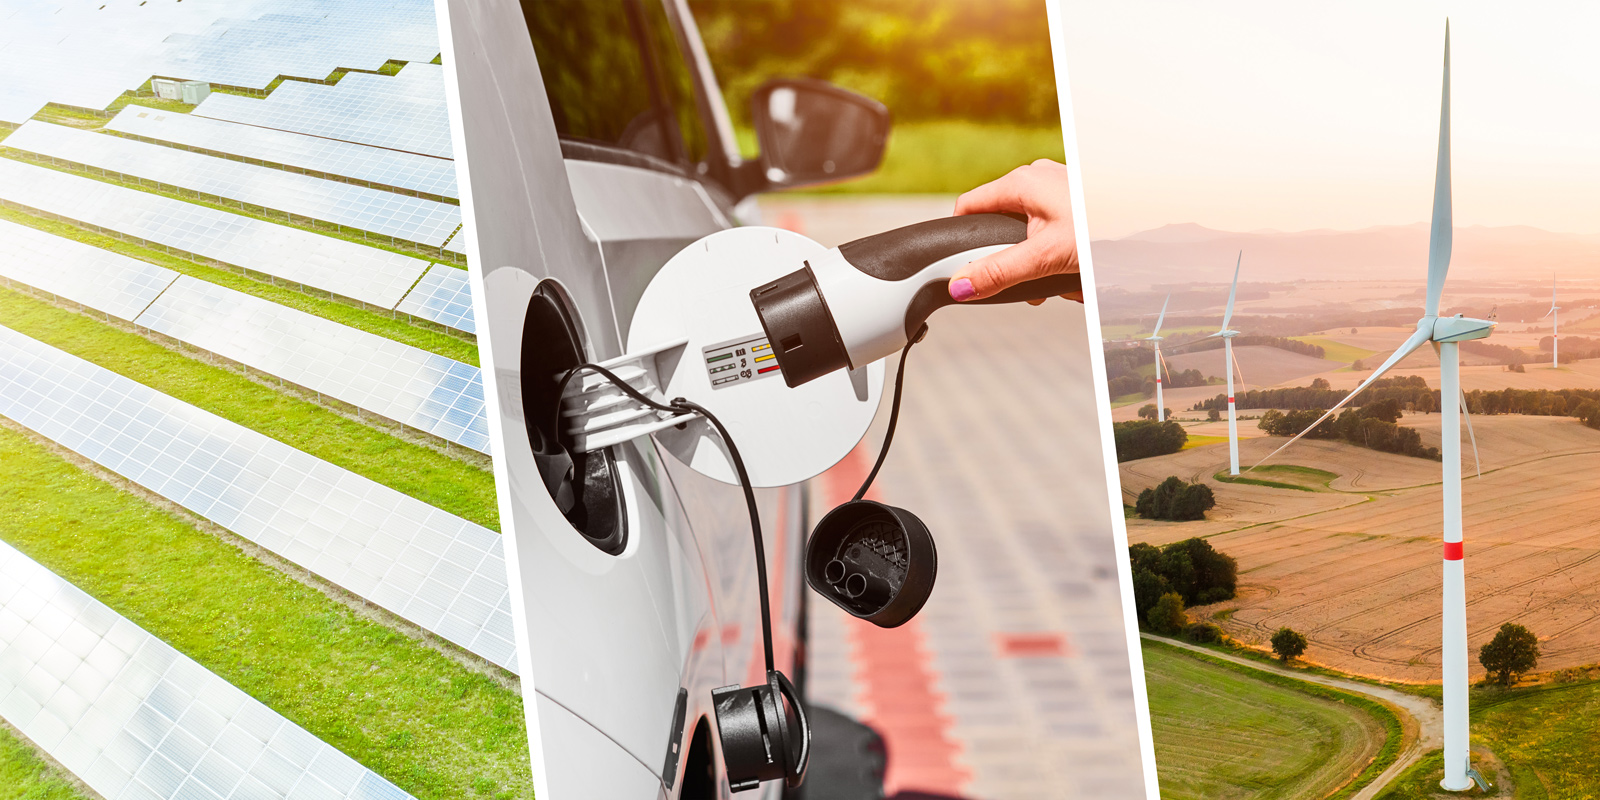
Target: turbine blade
{"type": "Point", "coordinates": [1548, 313]}
{"type": "Point", "coordinates": [1439, 239]}
{"type": "Point", "coordinates": [1238, 372]}
{"type": "Point", "coordinates": [1228, 315]}
{"type": "Point", "coordinates": [1157, 331]}
{"type": "Point", "coordinates": [1466, 415]}
{"type": "Point", "coordinates": [1417, 339]}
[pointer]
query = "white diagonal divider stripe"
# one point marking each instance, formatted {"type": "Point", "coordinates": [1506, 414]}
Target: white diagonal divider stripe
{"type": "Point", "coordinates": [412, 219]}
{"type": "Point", "coordinates": [414, 387]}
{"type": "Point", "coordinates": [135, 719]}
{"type": "Point", "coordinates": [443, 573]}
{"type": "Point", "coordinates": [345, 268]}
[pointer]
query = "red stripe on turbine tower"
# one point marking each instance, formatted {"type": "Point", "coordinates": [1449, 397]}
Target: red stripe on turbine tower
{"type": "Point", "coordinates": [1452, 551]}
{"type": "Point", "coordinates": [1230, 399]}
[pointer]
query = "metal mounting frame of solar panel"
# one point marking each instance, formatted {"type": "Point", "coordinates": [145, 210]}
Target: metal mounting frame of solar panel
{"type": "Point", "coordinates": [108, 282]}
{"type": "Point", "coordinates": [426, 223]}
{"type": "Point", "coordinates": [436, 570]}
{"type": "Point", "coordinates": [134, 719]}
{"type": "Point", "coordinates": [374, 166]}
{"type": "Point", "coordinates": [362, 273]}
{"type": "Point", "coordinates": [399, 113]}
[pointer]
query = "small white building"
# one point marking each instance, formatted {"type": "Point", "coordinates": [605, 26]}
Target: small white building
{"type": "Point", "coordinates": [191, 92]}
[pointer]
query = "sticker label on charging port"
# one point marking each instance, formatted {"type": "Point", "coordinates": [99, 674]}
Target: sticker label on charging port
{"type": "Point", "coordinates": [739, 361]}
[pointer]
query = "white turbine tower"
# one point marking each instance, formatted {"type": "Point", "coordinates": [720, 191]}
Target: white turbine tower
{"type": "Point", "coordinates": [1227, 364]}
{"type": "Point", "coordinates": [1155, 339]}
{"type": "Point", "coordinates": [1445, 333]}
{"type": "Point", "coordinates": [1555, 327]}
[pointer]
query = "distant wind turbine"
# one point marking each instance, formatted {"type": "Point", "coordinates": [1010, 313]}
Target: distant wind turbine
{"type": "Point", "coordinates": [1155, 339]}
{"type": "Point", "coordinates": [1555, 329]}
{"type": "Point", "coordinates": [1445, 334]}
{"type": "Point", "coordinates": [1228, 364]}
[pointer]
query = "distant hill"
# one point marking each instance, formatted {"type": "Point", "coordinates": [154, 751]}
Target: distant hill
{"type": "Point", "coordinates": [1166, 255]}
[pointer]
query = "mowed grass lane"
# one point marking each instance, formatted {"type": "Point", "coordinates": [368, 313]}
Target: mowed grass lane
{"type": "Point", "coordinates": [1221, 733]}
{"type": "Point", "coordinates": [455, 486]}
{"type": "Point", "coordinates": [411, 714]}
{"type": "Point", "coordinates": [24, 776]}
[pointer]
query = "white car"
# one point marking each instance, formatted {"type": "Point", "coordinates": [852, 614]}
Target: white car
{"type": "Point", "coordinates": [593, 145]}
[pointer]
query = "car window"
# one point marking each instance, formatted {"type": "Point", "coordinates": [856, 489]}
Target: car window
{"type": "Point", "coordinates": [615, 77]}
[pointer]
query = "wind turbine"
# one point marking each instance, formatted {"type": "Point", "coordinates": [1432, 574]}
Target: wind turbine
{"type": "Point", "coordinates": [1155, 339]}
{"type": "Point", "coordinates": [1446, 334]}
{"type": "Point", "coordinates": [1555, 329]}
{"type": "Point", "coordinates": [1227, 348]}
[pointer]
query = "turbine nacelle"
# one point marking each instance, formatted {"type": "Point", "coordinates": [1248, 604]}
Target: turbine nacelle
{"type": "Point", "coordinates": [1458, 328]}
{"type": "Point", "coordinates": [1223, 334]}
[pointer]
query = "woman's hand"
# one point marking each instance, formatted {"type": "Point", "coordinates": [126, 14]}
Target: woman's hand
{"type": "Point", "coordinates": [1040, 191]}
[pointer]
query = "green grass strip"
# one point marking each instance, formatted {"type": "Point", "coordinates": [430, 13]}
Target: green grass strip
{"type": "Point", "coordinates": [311, 301]}
{"type": "Point", "coordinates": [25, 776]}
{"type": "Point", "coordinates": [409, 713]}
{"type": "Point", "coordinates": [1393, 732]}
{"type": "Point", "coordinates": [426, 474]}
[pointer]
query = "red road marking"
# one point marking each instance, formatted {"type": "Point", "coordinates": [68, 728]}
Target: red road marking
{"type": "Point", "coordinates": [1452, 551]}
{"type": "Point", "coordinates": [895, 671]}
{"type": "Point", "coordinates": [1036, 645]}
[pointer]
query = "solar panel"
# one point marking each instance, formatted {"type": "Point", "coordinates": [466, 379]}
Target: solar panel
{"type": "Point", "coordinates": [413, 219]}
{"type": "Point", "coordinates": [436, 570]}
{"type": "Point", "coordinates": [367, 274]}
{"type": "Point", "coordinates": [444, 296]}
{"type": "Point", "coordinates": [375, 165]}
{"type": "Point", "coordinates": [134, 718]}
{"type": "Point", "coordinates": [426, 391]}
{"type": "Point", "coordinates": [102, 280]}
{"type": "Point", "coordinates": [404, 112]}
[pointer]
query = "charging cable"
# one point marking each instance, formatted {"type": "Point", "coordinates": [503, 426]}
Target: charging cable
{"type": "Point", "coordinates": [894, 413]}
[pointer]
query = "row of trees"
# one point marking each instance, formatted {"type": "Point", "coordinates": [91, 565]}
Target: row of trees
{"type": "Point", "coordinates": [1146, 438]}
{"type": "Point", "coordinates": [1574, 348]}
{"type": "Point", "coordinates": [1192, 570]}
{"type": "Point", "coordinates": [1372, 426]}
{"type": "Point", "coordinates": [1410, 391]}
{"type": "Point", "coordinates": [1175, 500]}
{"type": "Point", "coordinates": [1280, 342]}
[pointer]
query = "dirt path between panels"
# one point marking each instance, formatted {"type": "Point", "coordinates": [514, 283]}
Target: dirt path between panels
{"type": "Point", "coordinates": [1421, 718]}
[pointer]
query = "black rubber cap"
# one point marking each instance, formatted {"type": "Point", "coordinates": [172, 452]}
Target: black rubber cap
{"type": "Point", "coordinates": [799, 327]}
{"type": "Point", "coordinates": [873, 560]}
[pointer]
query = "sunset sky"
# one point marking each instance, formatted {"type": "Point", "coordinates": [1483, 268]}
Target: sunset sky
{"type": "Point", "coordinates": [1290, 116]}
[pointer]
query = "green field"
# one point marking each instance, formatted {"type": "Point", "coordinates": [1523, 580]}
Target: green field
{"type": "Point", "coordinates": [1336, 351]}
{"type": "Point", "coordinates": [23, 776]}
{"type": "Point", "coordinates": [1230, 732]}
{"type": "Point", "coordinates": [409, 713]}
{"type": "Point", "coordinates": [1201, 441]}
{"type": "Point", "coordinates": [1282, 476]}
{"type": "Point", "coordinates": [1544, 735]}
{"type": "Point", "coordinates": [458, 487]}
{"type": "Point", "coordinates": [946, 157]}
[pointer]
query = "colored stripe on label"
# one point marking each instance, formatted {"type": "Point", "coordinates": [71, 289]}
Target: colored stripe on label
{"type": "Point", "coordinates": [1452, 551]}
{"type": "Point", "coordinates": [765, 370]}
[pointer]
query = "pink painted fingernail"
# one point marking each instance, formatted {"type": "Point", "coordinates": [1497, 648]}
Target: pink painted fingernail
{"type": "Point", "coordinates": [961, 289]}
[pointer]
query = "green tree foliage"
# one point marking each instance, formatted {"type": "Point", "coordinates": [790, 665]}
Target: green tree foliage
{"type": "Point", "coordinates": [925, 59]}
{"type": "Point", "coordinates": [1282, 343]}
{"type": "Point", "coordinates": [1192, 569]}
{"type": "Point", "coordinates": [1123, 384]}
{"type": "Point", "coordinates": [1573, 348]}
{"type": "Point", "coordinates": [1167, 615]}
{"type": "Point", "coordinates": [1372, 426]}
{"type": "Point", "coordinates": [1588, 412]}
{"type": "Point", "coordinates": [1147, 411]}
{"type": "Point", "coordinates": [1288, 643]}
{"type": "Point", "coordinates": [1203, 633]}
{"type": "Point", "coordinates": [1175, 500]}
{"type": "Point", "coordinates": [1146, 438]}
{"type": "Point", "coordinates": [1513, 651]}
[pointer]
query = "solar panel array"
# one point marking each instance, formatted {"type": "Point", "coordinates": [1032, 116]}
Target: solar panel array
{"type": "Point", "coordinates": [444, 296]}
{"type": "Point", "coordinates": [401, 112]}
{"type": "Point", "coordinates": [102, 280]}
{"type": "Point", "coordinates": [414, 387]}
{"type": "Point", "coordinates": [376, 165]}
{"type": "Point", "coordinates": [135, 719]}
{"type": "Point", "coordinates": [413, 219]}
{"type": "Point", "coordinates": [363, 273]}
{"type": "Point", "coordinates": [436, 570]}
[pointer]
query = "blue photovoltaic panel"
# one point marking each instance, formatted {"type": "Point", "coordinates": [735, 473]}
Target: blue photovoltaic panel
{"type": "Point", "coordinates": [443, 296]}
{"type": "Point", "coordinates": [417, 173]}
{"type": "Point", "coordinates": [402, 112]}
{"type": "Point", "coordinates": [367, 274]}
{"type": "Point", "coordinates": [436, 570]}
{"type": "Point", "coordinates": [427, 222]}
{"type": "Point", "coordinates": [104, 281]}
{"type": "Point", "coordinates": [135, 719]}
{"type": "Point", "coordinates": [426, 391]}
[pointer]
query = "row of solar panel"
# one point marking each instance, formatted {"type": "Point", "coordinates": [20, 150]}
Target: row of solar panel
{"type": "Point", "coordinates": [424, 390]}
{"type": "Point", "coordinates": [405, 112]}
{"type": "Point", "coordinates": [440, 572]}
{"type": "Point", "coordinates": [413, 219]}
{"type": "Point", "coordinates": [373, 276]}
{"type": "Point", "coordinates": [135, 719]}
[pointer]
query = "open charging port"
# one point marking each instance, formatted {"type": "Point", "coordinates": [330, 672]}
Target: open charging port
{"type": "Point", "coordinates": [583, 485]}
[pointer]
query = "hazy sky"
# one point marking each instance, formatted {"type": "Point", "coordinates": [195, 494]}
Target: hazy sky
{"type": "Point", "coordinates": [1294, 116]}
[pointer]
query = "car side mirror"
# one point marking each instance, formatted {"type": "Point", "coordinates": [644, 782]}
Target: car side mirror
{"type": "Point", "coordinates": [814, 132]}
